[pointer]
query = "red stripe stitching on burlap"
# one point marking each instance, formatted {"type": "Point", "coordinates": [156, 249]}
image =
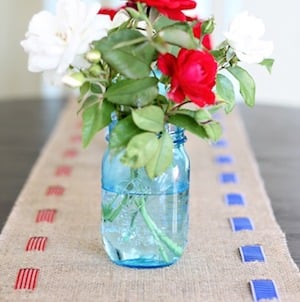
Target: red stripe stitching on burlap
{"type": "Point", "coordinates": [36, 244]}
{"type": "Point", "coordinates": [70, 153]}
{"type": "Point", "coordinates": [27, 278]}
{"type": "Point", "coordinates": [46, 215]}
{"type": "Point", "coordinates": [63, 171]}
{"type": "Point", "coordinates": [55, 191]}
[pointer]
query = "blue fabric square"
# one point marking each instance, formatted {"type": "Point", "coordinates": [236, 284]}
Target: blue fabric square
{"type": "Point", "coordinates": [224, 159]}
{"type": "Point", "coordinates": [263, 290]}
{"type": "Point", "coordinates": [220, 143]}
{"type": "Point", "coordinates": [241, 224]}
{"type": "Point", "coordinates": [235, 199]}
{"type": "Point", "coordinates": [252, 253]}
{"type": "Point", "coordinates": [228, 177]}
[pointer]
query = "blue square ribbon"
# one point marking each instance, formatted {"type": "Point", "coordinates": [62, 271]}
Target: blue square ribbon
{"type": "Point", "coordinates": [235, 199]}
{"type": "Point", "coordinates": [221, 143]}
{"type": "Point", "coordinates": [241, 224]}
{"type": "Point", "coordinates": [228, 177]}
{"type": "Point", "coordinates": [264, 290]}
{"type": "Point", "coordinates": [252, 253]}
{"type": "Point", "coordinates": [224, 159]}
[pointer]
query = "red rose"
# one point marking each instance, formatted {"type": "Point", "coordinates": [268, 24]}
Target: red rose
{"type": "Point", "coordinates": [108, 11]}
{"type": "Point", "coordinates": [171, 8]}
{"type": "Point", "coordinates": [193, 76]}
{"type": "Point", "coordinates": [207, 43]}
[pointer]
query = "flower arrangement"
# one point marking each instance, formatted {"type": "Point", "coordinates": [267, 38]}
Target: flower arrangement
{"type": "Point", "coordinates": [147, 63]}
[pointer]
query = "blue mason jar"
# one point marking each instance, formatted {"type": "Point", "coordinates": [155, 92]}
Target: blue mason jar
{"type": "Point", "coordinates": [145, 221]}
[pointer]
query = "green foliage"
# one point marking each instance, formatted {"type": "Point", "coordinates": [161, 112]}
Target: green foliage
{"type": "Point", "coordinates": [225, 92]}
{"type": "Point", "coordinates": [247, 84]}
{"type": "Point", "coordinates": [178, 34]}
{"type": "Point", "coordinates": [95, 88]}
{"type": "Point", "coordinates": [202, 116]}
{"type": "Point", "coordinates": [136, 93]}
{"type": "Point", "coordinates": [208, 26]}
{"type": "Point", "coordinates": [268, 63]}
{"type": "Point", "coordinates": [150, 118]}
{"type": "Point", "coordinates": [127, 52]}
{"type": "Point", "coordinates": [213, 130]}
{"type": "Point", "coordinates": [188, 123]}
{"type": "Point", "coordinates": [123, 79]}
{"type": "Point", "coordinates": [162, 157]}
{"type": "Point", "coordinates": [140, 149]}
{"type": "Point", "coordinates": [163, 22]}
{"type": "Point", "coordinates": [122, 133]}
{"type": "Point", "coordinates": [84, 89]}
{"type": "Point", "coordinates": [95, 118]}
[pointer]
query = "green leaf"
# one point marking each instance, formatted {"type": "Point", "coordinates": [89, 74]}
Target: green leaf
{"type": "Point", "coordinates": [247, 84]}
{"type": "Point", "coordinates": [95, 118]}
{"type": "Point", "coordinates": [150, 118]}
{"type": "Point", "coordinates": [133, 13]}
{"type": "Point", "coordinates": [208, 26]}
{"type": "Point", "coordinates": [188, 112]}
{"type": "Point", "coordinates": [84, 89]}
{"type": "Point", "coordinates": [132, 61]}
{"type": "Point", "coordinates": [163, 22]}
{"type": "Point", "coordinates": [202, 116]}
{"type": "Point", "coordinates": [268, 63]}
{"type": "Point", "coordinates": [162, 158]}
{"type": "Point", "coordinates": [95, 88]}
{"type": "Point", "coordinates": [122, 133]}
{"type": "Point", "coordinates": [137, 93]}
{"type": "Point", "coordinates": [140, 150]}
{"type": "Point", "coordinates": [188, 123]}
{"type": "Point", "coordinates": [225, 92]}
{"type": "Point", "coordinates": [213, 130]}
{"type": "Point", "coordinates": [178, 34]}
{"type": "Point", "coordinates": [219, 54]}
{"type": "Point", "coordinates": [89, 101]}
{"type": "Point", "coordinates": [215, 108]}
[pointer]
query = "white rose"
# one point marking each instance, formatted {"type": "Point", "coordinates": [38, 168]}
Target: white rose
{"type": "Point", "coordinates": [244, 36]}
{"type": "Point", "coordinates": [112, 4]}
{"type": "Point", "coordinates": [120, 17]}
{"type": "Point", "coordinates": [54, 42]}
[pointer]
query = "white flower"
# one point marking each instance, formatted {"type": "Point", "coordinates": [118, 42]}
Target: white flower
{"type": "Point", "coordinates": [54, 42]}
{"type": "Point", "coordinates": [244, 37]}
{"type": "Point", "coordinates": [112, 4]}
{"type": "Point", "coordinates": [120, 17]}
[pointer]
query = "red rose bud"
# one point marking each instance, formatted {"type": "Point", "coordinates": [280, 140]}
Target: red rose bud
{"type": "Point", "coordinates": [206, 41]}
{"type": "Point", "coordinates": [208, 26]}
{"type": "Point", "coordinates": [193, 76]}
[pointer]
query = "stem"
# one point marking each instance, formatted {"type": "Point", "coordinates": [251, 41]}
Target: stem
{"type": "Point", "coordinates": [179, 105]}
{"type": "Point", "coordinates": [114, 214]}
{"type": "Point", "coordinates": [173, 246]}
{"type": "Point", "coordinates": [152, 229]}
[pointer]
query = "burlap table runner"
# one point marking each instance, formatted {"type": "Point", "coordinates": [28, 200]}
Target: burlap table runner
{"type": "Point", "coordinates": [50, 247]}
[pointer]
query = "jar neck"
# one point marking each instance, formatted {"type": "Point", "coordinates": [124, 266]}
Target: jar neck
{"type": "Point", "coordinates": [177, 134]}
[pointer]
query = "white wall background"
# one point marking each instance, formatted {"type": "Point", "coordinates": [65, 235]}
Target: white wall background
{"type": "Point", "coordinates": [281, 18]}
{"type": "Point", "coordinates": [15, 81]}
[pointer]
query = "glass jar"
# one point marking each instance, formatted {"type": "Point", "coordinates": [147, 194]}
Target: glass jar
{"type": "Point", "coordinates": [145, 221]}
